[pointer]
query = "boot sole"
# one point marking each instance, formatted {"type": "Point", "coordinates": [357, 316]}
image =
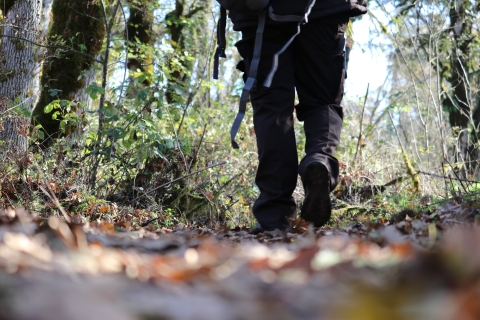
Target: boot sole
{"type": "Point", "coordinates": [317, 207]}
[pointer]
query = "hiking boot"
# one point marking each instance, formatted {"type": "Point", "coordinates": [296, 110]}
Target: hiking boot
{"type": "Point", "coordinates": [316, 183]}
{"type": "Point", "coordinates": [257, 229]}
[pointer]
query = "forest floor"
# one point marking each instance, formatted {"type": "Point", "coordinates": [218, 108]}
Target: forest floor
{"type": "Point", "coordinates": [422, 267]}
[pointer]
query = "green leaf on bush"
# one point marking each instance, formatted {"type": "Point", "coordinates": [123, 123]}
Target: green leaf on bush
{"type": "Point", "coordinates": [94, 90]}
{"type": "Point", "coordinates": [49, 107]}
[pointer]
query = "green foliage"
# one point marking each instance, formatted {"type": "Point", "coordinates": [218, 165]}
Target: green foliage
{"type": "Point", "coordinates": [162, 125]}
{"type": "Point", "coordinates": [64, 111]}
{"type": "Point", "coordinates": [94, 91]}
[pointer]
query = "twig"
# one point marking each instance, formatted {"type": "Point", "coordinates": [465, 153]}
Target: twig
{"type": "Point", "coordinates": [146, 223]}
{"type": "Point", "coordinates": [180, 178]}
{"type": "Point", "coordinates": [445, 180]}
{"type": "Point", "coordinates": [395, 128]}
{"type": "Point", "coordinates": [125, 67]}
{"type": "Point", "coordinates": [456, 175]}
{"type": "Point", "coordinates": [18, 105]}
{"type": "Point", "coordinates": [53, 47]}
{"type": "Point", "coordinates": [55, 201]}
{"type": "Point", "coordinates": [101, 115]}
{"type": "Point", "coordinates": [393, 182]}
{"type": "Point", "coordinates": [83, 13]}
{"type": "Point", "coordinates": [194, 92]}
{"type": "Point", "coordinates": [410, 170]}
{"type": "Point", "coordinates": [448, 199]}
{"type": "Point", "coordinates": [51, 195]}
{"type": "Point", "coordinates": [361, 126]}
{"type": "Point", "coordinates": [445, 177]}
{"type": "Point", "coordinates": [198, 148]}
{"type": "Point", "coordinates": [8, 198]}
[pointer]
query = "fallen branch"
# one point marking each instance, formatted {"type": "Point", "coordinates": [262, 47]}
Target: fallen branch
{"type": "Point", "coordinates": [453, 198]}
{"type": "Point", "coordinates": [367, 192]}
{"type": "Point", "coordinates": [444, 177]}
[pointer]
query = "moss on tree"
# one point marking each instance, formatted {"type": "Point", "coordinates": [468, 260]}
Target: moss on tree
{"type": "Point", "coordinates": [19, 44]}
{"type": "Point", "coordinates": [80, 24]}
{"type": "Point", "coordinates": [5, 74]}
{"type": "Point", "coordinates": [412, 173]}
{"type": "Point", "coordinates": [3, 57]}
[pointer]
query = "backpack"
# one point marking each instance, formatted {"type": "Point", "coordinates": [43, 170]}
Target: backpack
{"type": "Point", "coordinates": [262, 9]}
{"type": "Point", "coordinates": [252, 6]}
{"type": "Point", "coordinates": [243, 5]}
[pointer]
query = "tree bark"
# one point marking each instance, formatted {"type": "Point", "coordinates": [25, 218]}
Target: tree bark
{"type": "Point", "coordinates": [139, 26]}
{"type": "Point", "coordinates": [80, 24]}
{"type": "Point", "coordinates": [457, 102]}
{"type": "Point", "coordinates": [20, 64]}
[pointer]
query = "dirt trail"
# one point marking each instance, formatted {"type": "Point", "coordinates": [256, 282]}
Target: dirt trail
{"type": "Point", "coordinates": [427, 267]}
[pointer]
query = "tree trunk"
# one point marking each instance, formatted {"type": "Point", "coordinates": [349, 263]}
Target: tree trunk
{"type": "Point", "coordinates": [20, 64]}
{"type": "Point", "coordinates": [140, 40]}
{"type": "Point", "coordinates": [457, 102]}
{"type": "Point", "coordinates": [182, 40]}
{"type": "Point", "coordinates": [80, 24]}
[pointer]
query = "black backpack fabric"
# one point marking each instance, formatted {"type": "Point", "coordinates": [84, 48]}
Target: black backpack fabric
{"type": "Point", "coordinates": [235, 6]}
{"type": "Point", "coordinates": [263, 9]}
{"type": "Point", "coordinates": [243, 5]}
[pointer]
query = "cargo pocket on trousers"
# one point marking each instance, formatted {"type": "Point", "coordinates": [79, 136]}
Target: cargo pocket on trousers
{"type": "Point", "coordinates": [340, 62]}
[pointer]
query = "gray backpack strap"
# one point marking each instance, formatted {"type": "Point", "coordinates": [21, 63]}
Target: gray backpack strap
{"type": "Point", "coordinates": [221, 41]}
{"type": "Point", "coordinates": [303, 20]}
{"type": "Point", "coordinates": [257, 50]}
{"type": "Point", "coordinates": [252, 78]}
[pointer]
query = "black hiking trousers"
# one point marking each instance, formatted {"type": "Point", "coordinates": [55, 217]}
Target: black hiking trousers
{"type": "Point", "coordinates": [314, 65]}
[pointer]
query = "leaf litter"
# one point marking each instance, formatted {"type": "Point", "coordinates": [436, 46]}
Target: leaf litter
{"type": "Point", "coordinates": [422, 267]}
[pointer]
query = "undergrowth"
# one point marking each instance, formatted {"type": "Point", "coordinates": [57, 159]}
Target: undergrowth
{"type": "Point", "coordinates": [189, 186]}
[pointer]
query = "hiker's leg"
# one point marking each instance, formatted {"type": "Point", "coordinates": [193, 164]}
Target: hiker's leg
{"type": "Point", "coordinates": [273, 122]}
{"type": "Point", "coordinates": [319, 79]}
